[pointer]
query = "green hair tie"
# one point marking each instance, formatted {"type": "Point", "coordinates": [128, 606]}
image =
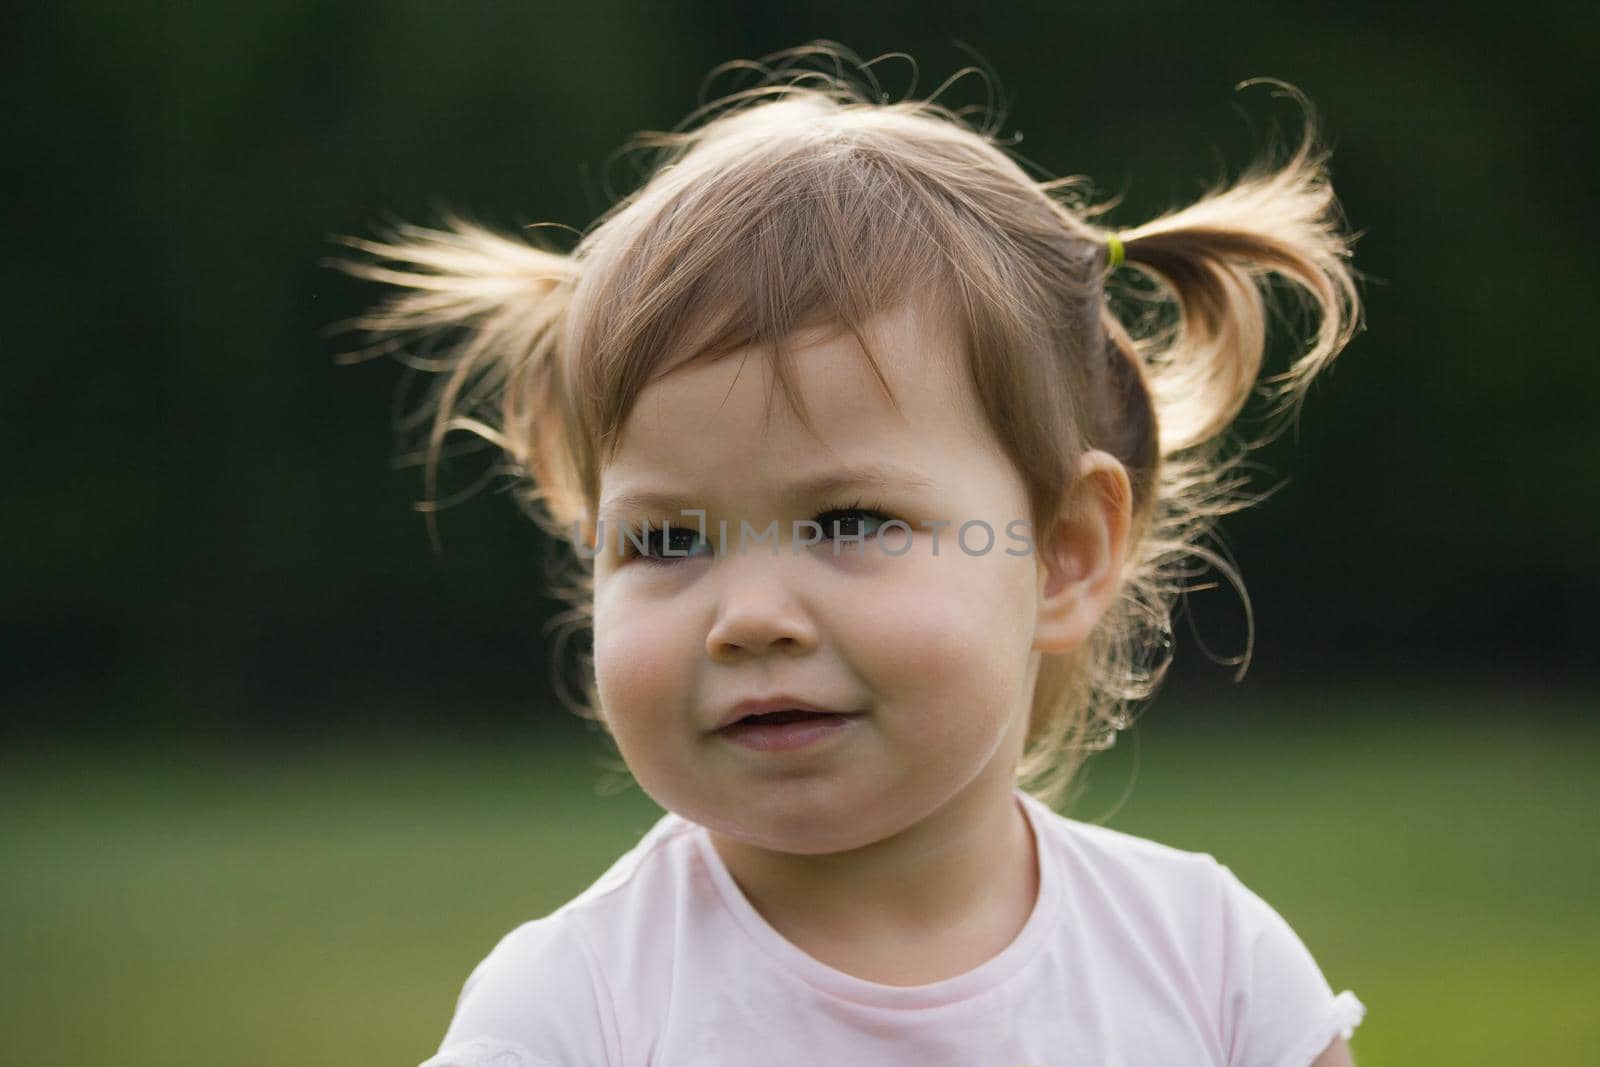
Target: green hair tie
{"type": "Point", "coordinates": [1114, 251]}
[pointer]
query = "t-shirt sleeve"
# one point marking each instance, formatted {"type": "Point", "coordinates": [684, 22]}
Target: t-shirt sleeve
{"type": "Point", "coordinates": [533, 1001]}
{"type": "Point", "coordinates": [1277, 1008]}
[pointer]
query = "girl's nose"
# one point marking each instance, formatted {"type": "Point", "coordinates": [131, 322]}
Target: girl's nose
{"type": "Point", "coordinates": [758, 614]}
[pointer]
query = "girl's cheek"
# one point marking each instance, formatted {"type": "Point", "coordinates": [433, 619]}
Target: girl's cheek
{"type": "Point", "coordinates": [635, 659]}
{"type": "Point", "coordinates": [923, 614]}
{"type": "Point", "coordinates": [970, 622]}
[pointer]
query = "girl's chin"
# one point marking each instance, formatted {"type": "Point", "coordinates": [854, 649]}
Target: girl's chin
{"type": "Point", "coordinates": [788, 844]}
{"type": "Point", "coordinates": [819, 831]}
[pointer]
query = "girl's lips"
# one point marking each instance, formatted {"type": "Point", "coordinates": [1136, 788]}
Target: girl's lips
{"type": "Point", "coordinates": [767, 705]}
{"type": "Point", "coordinates": [779, 737]}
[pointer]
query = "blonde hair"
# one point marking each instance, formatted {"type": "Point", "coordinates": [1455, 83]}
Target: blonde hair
{"type": "Point", "coordinates": [806, 201]}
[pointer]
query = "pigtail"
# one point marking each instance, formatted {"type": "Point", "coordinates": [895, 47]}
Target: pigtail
{"type": "Point", "coordinates": [503, 382]}
{"type": "Point", "coordinates": [1173, 387]}
{"type": "Point", "coordinates": [1212, 258]}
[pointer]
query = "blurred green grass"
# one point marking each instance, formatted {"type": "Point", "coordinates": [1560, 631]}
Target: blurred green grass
{"type": "Point", "coordinates": [193, 904]}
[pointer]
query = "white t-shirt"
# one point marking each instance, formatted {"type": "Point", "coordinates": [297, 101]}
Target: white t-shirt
{"type": "Point", "coordinates": [1136, 954]}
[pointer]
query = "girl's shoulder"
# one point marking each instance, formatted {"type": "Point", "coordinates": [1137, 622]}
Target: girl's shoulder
{"type": "Point", "coordinates": [1120, 856]}
{"type": "Point", "coordinates": [547, 985]}
{"type": "Point", "coordinates": [659, 864]}
{"type": "Point", "coordinates": [1138, 899]}
{"type": "Point", "coordinates": [1140, 889]}
{"type": "Point", "coordinates": [536, 989]}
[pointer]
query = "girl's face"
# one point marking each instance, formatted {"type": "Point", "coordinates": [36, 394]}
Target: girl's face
{"type": "Point", "coordinates": [928, 637]}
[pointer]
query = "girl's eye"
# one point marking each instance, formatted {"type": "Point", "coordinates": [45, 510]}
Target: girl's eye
{"type": "Point", "coordinates": [854, 522]}
{"type": "Point", "coordinates": [678, 544]}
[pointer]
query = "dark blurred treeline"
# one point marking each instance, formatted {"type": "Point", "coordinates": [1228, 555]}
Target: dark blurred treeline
{"type": "Point", "coordinates": [207, 532]}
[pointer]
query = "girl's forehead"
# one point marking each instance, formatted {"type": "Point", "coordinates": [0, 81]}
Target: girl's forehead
{"type": "Point", "coordinates": [721, 413]}
{"type": "Point", "coordinates": [738, 394]}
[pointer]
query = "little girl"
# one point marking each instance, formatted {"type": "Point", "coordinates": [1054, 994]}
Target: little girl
{"type": "Point", "coordinates": [857, 640]}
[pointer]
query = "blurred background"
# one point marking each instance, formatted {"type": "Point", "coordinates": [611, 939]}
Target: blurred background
{"type": "Point", "coordinates": [276, 774]}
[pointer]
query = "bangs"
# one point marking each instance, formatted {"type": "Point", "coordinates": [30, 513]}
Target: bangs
{"type": "Point", "coordinates": [777, 224]}
{"type": "Point", "coordinates": [833, 247]}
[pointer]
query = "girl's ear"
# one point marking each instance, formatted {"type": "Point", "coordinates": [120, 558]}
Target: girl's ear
{"type": "Point", "coordinates": [1081, 555]}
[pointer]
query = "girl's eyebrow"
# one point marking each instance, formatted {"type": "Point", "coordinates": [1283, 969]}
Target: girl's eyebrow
{"type": "Point", "coordinates": [878, 476]}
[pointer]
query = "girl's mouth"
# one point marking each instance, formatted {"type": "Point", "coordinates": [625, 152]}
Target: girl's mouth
{"type": "Point", "coordinates": [777, 731]}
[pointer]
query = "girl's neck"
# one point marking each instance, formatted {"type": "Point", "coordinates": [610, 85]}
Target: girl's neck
{"type": "Point", "coordinates": [928, 903]}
